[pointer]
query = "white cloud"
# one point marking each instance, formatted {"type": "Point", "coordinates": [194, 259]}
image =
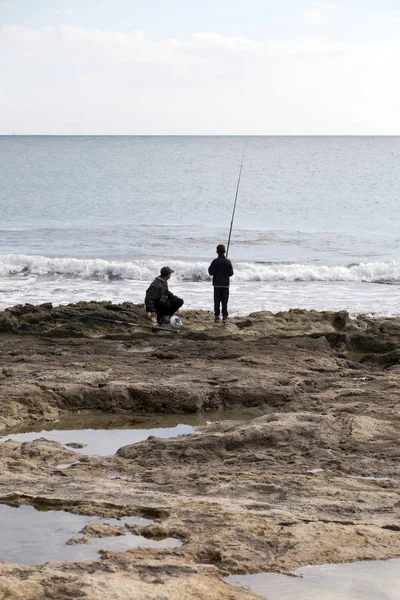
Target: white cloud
{"type": "Point", "coordinates": [73, 80]}
{"type": "Point", "coordinates": [69, 12]}
{"type": "Point", "coordinates": [320, 12]}
{"type": "Point", "coordinates": [200, 49]}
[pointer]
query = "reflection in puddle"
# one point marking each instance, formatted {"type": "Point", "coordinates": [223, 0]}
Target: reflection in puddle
{"type": "Point", "coordinates": [101, 442]}
{"type": "Point", "coordinates": [103, 434]}
{"type": "Point", "coordinates": [354, 355]}
{"type": "Point", "coordinates": [369, 478]}
{"type": "Point", "coordinates": [33, 537]}
{"type": "Point", "coordinates": [362, 477]}
{"type": "Point", "coordinates": [367, 580]}
{"type": "Point", "coordinates": [67, 465]}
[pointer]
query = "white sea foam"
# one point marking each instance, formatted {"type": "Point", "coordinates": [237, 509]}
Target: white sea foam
{"type": "Point", "coordinates": [255, 286]}
{"type": "Point", "coordinates": [144, 270]}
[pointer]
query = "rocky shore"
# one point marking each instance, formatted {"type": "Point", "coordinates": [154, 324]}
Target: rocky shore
{"type": "Point", "coordinates": [312, 478]}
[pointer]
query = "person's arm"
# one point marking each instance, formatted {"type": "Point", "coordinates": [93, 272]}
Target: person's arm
{"type": "Point", "coordinates": [151, 295]}
{"type": "Point", "coordinates": [211, 268]}
{"type": "Point", "coordinates": [230, 269]}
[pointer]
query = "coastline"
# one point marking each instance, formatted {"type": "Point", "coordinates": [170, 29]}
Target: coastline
{"type": "Point", "coordinates": [270, 493]}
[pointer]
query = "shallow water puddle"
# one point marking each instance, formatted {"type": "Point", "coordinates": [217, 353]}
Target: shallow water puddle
{"type": "Point", "coordinates": [355, 355]}
{"type": "Point", "coordinates": [367, 580]}
{"type": "Point", "coordinates": [362, 477]}
{"type": "Point", "coordinates": [369, 478]}
{"type": "Point", "coordinates": [33, 537]}
{"type": "Point", "coordinates": [102, 434]}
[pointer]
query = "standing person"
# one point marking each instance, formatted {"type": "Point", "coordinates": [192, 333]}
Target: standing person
{"type": "Point", "coordinates": [160, 303]}
{"type": "Point", "coordinates": [221, 269]}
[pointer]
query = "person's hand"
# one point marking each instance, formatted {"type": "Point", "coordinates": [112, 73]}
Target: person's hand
{"type": "Point", "coordinates": [153, 316]}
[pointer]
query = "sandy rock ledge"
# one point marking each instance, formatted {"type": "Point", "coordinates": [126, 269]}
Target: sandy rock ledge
{"type": "Point", "coordinates": [289, 486]}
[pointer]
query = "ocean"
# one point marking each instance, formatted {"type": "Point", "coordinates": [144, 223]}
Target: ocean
{"type": "Point", "coordinates": [95, 217]}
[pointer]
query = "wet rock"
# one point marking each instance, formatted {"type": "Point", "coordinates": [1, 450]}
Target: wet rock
{"type": "Point", "coordinates": [100, 530]}
{"type": "Point", "coordinates": [85, 540]}
{"type": "Point", "coordinates": [76, 445]}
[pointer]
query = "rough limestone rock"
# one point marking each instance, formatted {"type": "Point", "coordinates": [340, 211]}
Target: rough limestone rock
{"type": "Point", "coordinates": [308, 472]}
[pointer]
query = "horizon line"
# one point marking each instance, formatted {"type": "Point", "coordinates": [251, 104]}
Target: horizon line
{"type": "Point", "coordinates": [199, 134]}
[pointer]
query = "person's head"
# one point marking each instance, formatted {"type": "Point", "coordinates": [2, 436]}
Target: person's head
{"type": "Point", "coordinates": [165, 272]}
{"type": "Point", "coordinates": [221, 249]}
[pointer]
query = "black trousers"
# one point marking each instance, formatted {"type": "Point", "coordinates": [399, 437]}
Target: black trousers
{"type": "Point", "coordinates": [167, 307]}
{"type": "Point", "coordinates": [221, 296]}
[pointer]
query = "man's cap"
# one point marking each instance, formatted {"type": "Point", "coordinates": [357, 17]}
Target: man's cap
{"type": "Point", "coordinates": [166, 271]}
{"type": "Point", "coordinates": [221, 249]}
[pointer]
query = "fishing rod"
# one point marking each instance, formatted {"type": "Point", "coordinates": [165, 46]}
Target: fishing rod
{"type": "Point", "coordinates": [236, 197]}
{"type": "Point", "coordinates": [154, 328]}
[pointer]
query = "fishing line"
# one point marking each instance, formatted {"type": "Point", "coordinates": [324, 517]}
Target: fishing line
{"type": "Point", "coordinates": [236, 197]}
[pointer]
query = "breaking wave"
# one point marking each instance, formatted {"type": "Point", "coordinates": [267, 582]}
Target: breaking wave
{"type": "Point", "coordinates": [12, 265]}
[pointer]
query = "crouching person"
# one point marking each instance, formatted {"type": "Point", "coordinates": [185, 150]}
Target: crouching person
{"type": "Point", "coordinates": [160, 303]}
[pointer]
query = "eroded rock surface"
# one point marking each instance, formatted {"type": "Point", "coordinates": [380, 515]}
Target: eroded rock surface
{"type": "Point", "coordinates": [284, 489]}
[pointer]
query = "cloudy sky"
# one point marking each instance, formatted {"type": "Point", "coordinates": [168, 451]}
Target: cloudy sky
{"type": "Point", "coordinates": [257, 67]}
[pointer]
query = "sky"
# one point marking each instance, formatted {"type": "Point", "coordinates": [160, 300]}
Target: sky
{"type": "Point", "coordinates": [186, 67]}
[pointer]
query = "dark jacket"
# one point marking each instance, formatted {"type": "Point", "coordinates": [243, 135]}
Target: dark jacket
{"type": "Point", "coordinates": [221, 269]}
{"type": "Point", "coordinates": [157, 290]}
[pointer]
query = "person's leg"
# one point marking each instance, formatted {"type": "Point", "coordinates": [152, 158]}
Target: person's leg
{"type": "Point", "coordinates": [217, 301]}
{"type": "Point", "coordinates": [224, 300]}
{"type": "Point", "coordinates": [175, 305]}
{"type": "Point", "coordinates": [163, 308]}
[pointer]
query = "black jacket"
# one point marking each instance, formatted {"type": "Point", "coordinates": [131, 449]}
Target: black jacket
{"type": "Point", "coordinates": [221, 269]}
{"type": "Point", "coordinates": [157, 290]}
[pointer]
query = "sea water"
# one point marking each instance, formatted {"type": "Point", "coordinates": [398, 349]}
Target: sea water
{"type": "Point", "coordinates": [95, 217]}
